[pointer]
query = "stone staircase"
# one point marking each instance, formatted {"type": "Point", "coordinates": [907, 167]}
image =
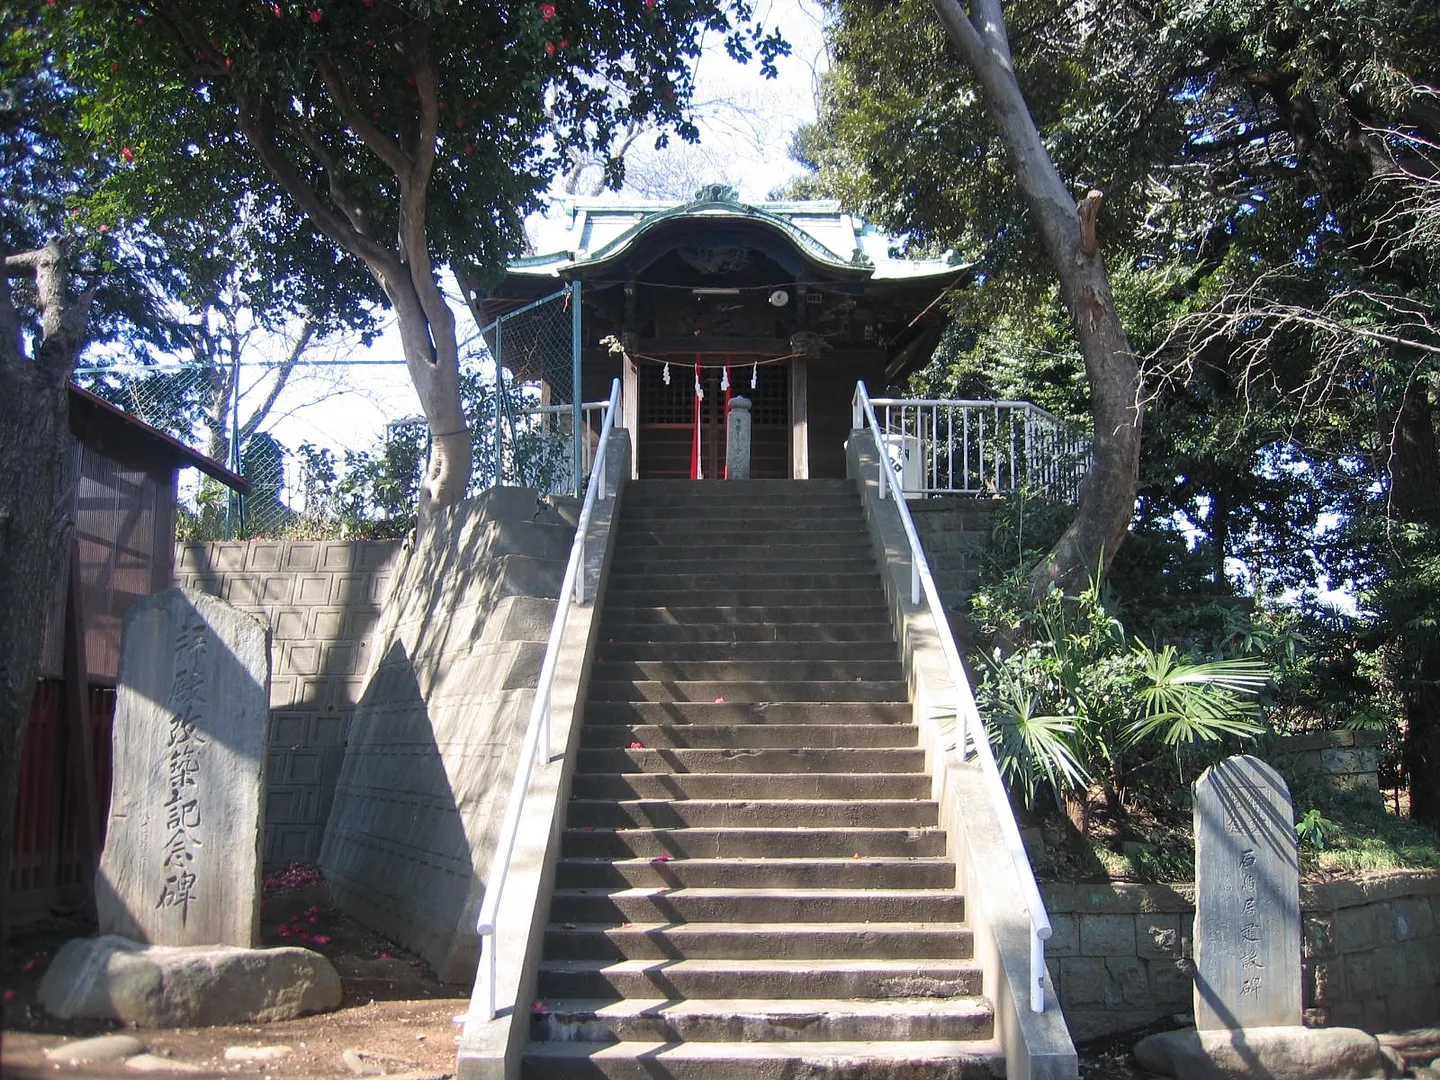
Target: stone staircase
{"type": "Point", "coordinates": [752, 882]}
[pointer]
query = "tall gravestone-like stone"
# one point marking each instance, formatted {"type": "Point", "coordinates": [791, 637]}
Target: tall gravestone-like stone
{"type": "Point", "coordinates": [1247, 898]}
{"type": "Point", "coordinates": [181, 864]}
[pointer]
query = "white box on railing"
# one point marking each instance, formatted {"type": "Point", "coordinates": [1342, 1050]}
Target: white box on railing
{"type": "Point", "coordinates": [907, 461]}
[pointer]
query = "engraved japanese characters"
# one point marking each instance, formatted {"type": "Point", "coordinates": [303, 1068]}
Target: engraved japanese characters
{"type": "Point", "coordinates": [1247, 898]}
{"type": "Point", "coordinates": [181, 864]}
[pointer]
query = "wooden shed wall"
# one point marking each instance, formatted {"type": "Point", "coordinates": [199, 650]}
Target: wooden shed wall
{"type": "Point", "coordinates": [124, 517]}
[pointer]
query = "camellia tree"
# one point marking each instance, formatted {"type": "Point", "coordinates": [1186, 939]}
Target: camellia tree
{"type": "Point", "coordinates": [412, 133]}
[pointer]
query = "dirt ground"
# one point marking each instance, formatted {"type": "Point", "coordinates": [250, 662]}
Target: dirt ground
{"type": "Point", "coordinates": [394, 1012]}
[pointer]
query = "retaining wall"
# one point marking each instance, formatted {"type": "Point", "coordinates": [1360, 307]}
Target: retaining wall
{"type": "Point", "coordinates": [322, 600]}
{"type": "Point", "coordinates": [1120, 955]}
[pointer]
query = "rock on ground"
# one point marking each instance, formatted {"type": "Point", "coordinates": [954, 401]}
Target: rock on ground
{"type": "Point", "coordinates": [102, 1048]}
{"type": "Point", "coordinates": [111, 978]}
{"type": "Point", "coordinates": [1274, 1053]}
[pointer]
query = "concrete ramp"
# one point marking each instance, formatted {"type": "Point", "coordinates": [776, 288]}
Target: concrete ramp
{"type": "Point", "coordinates": [432, 746]}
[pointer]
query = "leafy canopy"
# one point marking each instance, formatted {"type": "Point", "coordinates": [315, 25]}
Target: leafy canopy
{"type": "Point", "coordinates": [358, 93]}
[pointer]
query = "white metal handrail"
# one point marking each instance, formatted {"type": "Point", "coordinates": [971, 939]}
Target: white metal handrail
{"type": "Point", "coordinates": [967, 716]}
{"type": "Point", "coordinates": [537, 729]}
{"type": "Point", "coordinates": [957, 446]}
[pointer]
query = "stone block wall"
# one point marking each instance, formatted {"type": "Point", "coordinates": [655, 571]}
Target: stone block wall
{"type": "Point", "coordinates": [322, 600]}
{"type": "Point", "coordinates": [1120, 954]}
{"type": "Point", "coordinates": [1372, 952]}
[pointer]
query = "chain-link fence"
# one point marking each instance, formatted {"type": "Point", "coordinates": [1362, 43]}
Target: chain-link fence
{"type": "Point", "coordinates": [337, 448]}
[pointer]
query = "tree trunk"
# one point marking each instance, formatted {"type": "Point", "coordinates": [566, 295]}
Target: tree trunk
{"type": "Point", "coordinates": [1414, 468]}
{"type": "Point", "coordinates": [32, 552]}
{"type": "Point", "coordinates": [1107, 495]}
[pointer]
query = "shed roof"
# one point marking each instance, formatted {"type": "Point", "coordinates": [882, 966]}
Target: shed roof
{"type": "Point", "coordinates": [114, 432]}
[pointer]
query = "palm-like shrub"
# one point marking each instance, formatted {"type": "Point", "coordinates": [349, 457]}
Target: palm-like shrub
{"type": "Point", "coordinates": [1078, 704]}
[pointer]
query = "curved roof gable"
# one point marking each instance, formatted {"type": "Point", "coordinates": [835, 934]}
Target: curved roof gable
{"type": "Point", "coordinates": [600, 233]}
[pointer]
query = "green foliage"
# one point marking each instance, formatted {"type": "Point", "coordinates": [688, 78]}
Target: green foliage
{"type": "Point", "coordinates": [1077, 701]}
{"type": "Point", "coordinates": [178, 90]}
{"type": "Point", "coordinates": [1312, 829]}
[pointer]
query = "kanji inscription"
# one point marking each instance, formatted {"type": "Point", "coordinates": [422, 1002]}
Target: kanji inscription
{"type": "Point", "coordinates": [1247, 904]}
{"type": "Point", "coordinates": [181, 864]}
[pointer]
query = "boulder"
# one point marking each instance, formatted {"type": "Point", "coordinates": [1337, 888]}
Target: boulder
{"type": "Point", "coordinates": [151, 986]}
{"type": "Point", "coordinates": [1273, 1053]}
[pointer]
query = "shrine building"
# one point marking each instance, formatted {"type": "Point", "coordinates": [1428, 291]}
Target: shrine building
{"type": "Point", "coordinates": [787, 303]}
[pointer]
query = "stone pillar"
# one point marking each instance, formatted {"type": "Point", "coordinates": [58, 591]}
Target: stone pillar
{"type": "Point", "coordinates": [737, 439]}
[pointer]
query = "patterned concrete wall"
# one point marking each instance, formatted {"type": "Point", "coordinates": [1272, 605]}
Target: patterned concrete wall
{"type": "Point", "coordinates": [1121, 953]}
{"type": "Point", "coordinates": [322, 599]}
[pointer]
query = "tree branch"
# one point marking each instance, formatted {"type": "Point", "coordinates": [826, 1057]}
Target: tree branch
{"type": "Point", "coordinates": [258, 128]}
{"type": "Point", "coordinates": [384, 146]}
{"type": "Point", "coordinates": [282, 376]}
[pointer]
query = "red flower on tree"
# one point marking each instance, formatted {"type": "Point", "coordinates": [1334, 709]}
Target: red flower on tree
{"type": "Point", "coordinates": [549, 48]}
{"type": "Point", "coordinates": [547, 11]}
{"type": "Point", "coordinates": [315, 16]}
{"type": "Point", "coordinates": [128, 155]}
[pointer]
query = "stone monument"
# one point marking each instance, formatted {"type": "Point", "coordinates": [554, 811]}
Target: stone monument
{"type": "Point", "coordinates": [737, 439]}
{"type": "Point", "coordinates": [1247, 947]}
{"type": "Point", "coordinates": [181, 863]}
{"type": "Point", "coordinates": [1247, 898]}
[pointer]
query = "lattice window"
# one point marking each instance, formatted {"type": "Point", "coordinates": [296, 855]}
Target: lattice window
{"type": "Point", "coordinates": [661, 404]}
{"type": "Point", "coordinates": [770, 400]}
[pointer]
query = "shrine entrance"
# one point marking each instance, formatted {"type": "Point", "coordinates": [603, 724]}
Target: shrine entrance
{"type": "Point", "coordinates": [681, 433]}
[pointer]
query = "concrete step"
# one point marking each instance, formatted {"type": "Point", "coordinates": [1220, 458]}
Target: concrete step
{"type": "Point", "coordinates": [779, 509]}
{"type": "Point", "coordinates": [673, 492]}
{"type": "Point", "coordinates": [818, 602]}
{"type": "Point", "coordinates": [724, 691]}
{"type": "Point", "coordinates": [924, 1060]}
{"type": "Point", "coordinates": [824, 759]}
{"type": "Point", "coordinates": [609, 652]}
{"type": "Point", "coordinates": [756, 576]}
{"type": "Point", "coordinates": [746, 736]}
{"type": "Point", "coordinates": [757, 941]}
{"type": "Point", "coordinates": [824, 670]}
{"type": "Point", "coordinates": [796, 906]}
{"type": "Point", "coordinates": [739, 488]}
{"type": "Point", "coordinates": [655, 549]}
{"type": "Point", "coordinates": [756, 842]}
{"type": "Point", "coordinates": [765, 1020]}
{"type": "Point", "coordinates": [879, 979]}
{"type": "Point", "coordinates": [843, 559]}
{"type": "Point", "coordinates": [757, 873]}
{"type": "Point", "coordinates": [817, 785]}
{"type": "Point", "coordinates": [874, 632]}
{"type": "Point", "coordinates": [732, 534]}
{"type": "Point", "coordinates": [818, 617]}
{"type": "Point", "coordinates": [747, 712]}
{"type": "Point", "coordinates": [752, 813]}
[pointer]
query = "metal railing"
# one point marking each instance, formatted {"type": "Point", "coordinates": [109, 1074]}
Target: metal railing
{"type": "Point", "coordinates": [556, 420]}
{"type": "Point", "coordinates": [967, 716]}
{"type": "Point", "coordinates": [943, 446]}
{"type": "Point", "coordinates": [537, 730]}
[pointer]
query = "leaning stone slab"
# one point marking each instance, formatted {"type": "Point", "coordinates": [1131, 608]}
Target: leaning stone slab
{"type": "Point", "coordinates": [110, 978]}
{"type": "Point", "coordinates": [1264, 1053]}
{"type": "Point", "coordinates": [181, 864]}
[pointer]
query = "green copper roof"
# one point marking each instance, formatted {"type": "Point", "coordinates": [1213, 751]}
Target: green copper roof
{"type": "Point", "coordinates": [592, 232]}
